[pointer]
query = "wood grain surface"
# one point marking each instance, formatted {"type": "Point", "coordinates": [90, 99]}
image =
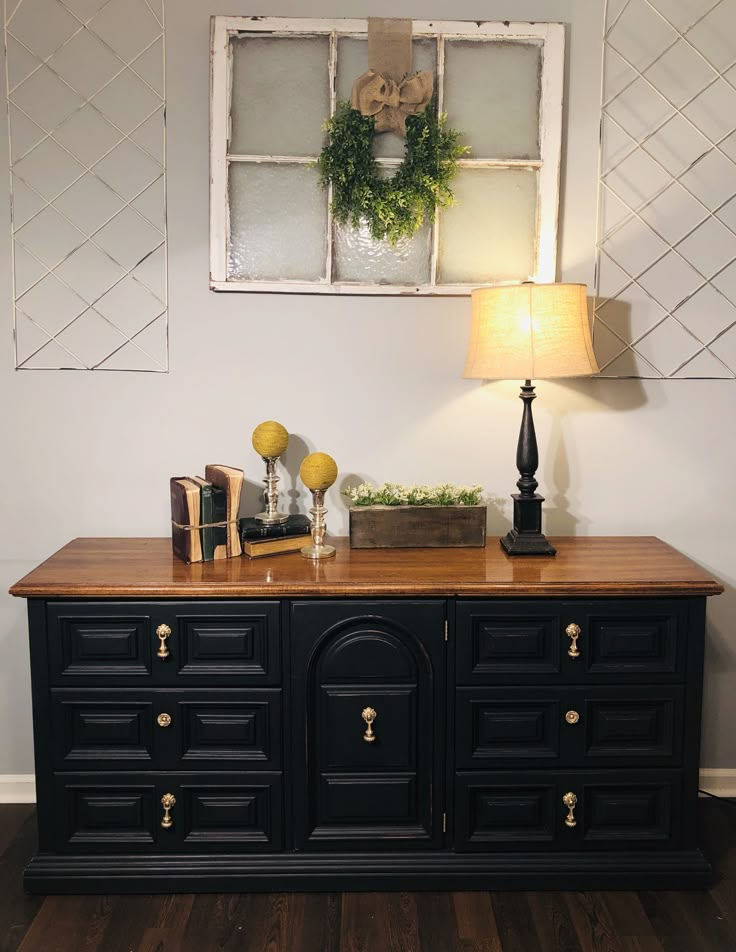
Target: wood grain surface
{"type": "Point", "coordinates": [597, 565]}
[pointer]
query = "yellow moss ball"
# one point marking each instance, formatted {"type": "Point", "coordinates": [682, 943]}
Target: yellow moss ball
{"type": "Point", "coordinates": [318, 471]}
{"type": "Point", "coordinates": [270, 438]}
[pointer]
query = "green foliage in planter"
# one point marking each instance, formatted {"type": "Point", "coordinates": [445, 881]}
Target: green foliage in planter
{"type": "Point", "coordinates": [394, 494]}
{"type": "Point", "coordinates": [396, 207]}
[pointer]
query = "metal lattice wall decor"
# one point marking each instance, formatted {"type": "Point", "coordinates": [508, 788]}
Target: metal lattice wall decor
{"type": "Point", "coordinates": [666, 261]}
{"type": "Point", "coordinates": [86, 92]}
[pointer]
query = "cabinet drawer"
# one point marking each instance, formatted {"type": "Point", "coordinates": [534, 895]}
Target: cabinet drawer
{"type": "Point", "coordinates": [631, 640]}
{"type": "Point", "coordinates": [393, 730]}
{"type": "Point", "coordinates": [525, 810]}
{"type": "Point", "coordinates": [574, 726]}
{"type": "Point", "coordinates": [237, 643]}
{"type": "Point", "coordinates": [123, 813]}
{"type": "Point", "coordinates": [166, 729]}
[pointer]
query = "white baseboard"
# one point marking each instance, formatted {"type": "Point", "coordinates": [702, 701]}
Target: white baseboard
{"type": "Point", "coordinates": [21, 788]}
{"type": "Point", "coordinates": [17, 788]}
{"type": "Point", "coordinates": [722, 782]}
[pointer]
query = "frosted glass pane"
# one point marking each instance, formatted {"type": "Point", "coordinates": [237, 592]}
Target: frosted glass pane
{"type": "Point", "coordinates": [489, 235]}
{"type": "Point", "coordinates": [278, 223]}
{"type": "Point", "coordinates": [358, 257]}
{"type": "Point", "coordinates": [492, 97]}
{"type": "Point", "coordinates": [352, 61]}
{"type": "Point", "coordinates": [280, 95]}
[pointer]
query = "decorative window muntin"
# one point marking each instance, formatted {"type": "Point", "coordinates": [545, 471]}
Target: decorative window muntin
{"type": "Point", "coordinates": [254, 241]}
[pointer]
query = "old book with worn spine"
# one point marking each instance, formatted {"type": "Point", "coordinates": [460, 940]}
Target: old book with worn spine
{"type": "Point", "coordinates": [213, 509]}
{"type": "Point", "coordinates": [255, 549]}
{"type": "Point", "coordinates": [185, 514]}
{"type": "Point", "coordinates": [231, 480]}
{"type": "Point", "coordinates": [251, 528]}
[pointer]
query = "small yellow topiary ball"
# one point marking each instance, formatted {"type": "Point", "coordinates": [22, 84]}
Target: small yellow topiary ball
{"type": "Point", "coordinates": [318, 471]}
{"type": "Point", "coordinates": [270, 439]}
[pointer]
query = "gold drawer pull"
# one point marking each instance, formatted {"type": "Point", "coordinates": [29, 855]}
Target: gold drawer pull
{"type": "Point", "coordinates": [573, 633]}
{"type": "Point", "coordinates": [162, 633]}
{"type": "Point", "coordinates": [572, 717]}
{"type": "Point", "coordinates": [570, 801]}
{"type": "Point", "coordinates": [369, 715]}
{"type": "Point", "coordinates": [163, 720]}
{"type": "Point", "coordinates": [168, 801]}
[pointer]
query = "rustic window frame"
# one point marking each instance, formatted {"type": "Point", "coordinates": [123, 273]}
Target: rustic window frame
{"type": "Point", "coordinates": [551, 37]}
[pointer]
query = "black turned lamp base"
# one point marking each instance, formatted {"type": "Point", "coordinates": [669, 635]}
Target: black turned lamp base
{"type": "Point", "coordinates": [527, 538]}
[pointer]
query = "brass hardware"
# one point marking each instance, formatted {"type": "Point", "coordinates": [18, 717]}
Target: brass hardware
{"type": "Point", "coordinates": [572, 717]}
{"type": "Point", "coordinates": [168, 800]}
{"type": "Point", "coordinates": [573, 633]}
{"type": "Point", "coordinates": [570, 801]}
{"type": "Point", "coordinates": [162, 633]}
{"type": "Point", "coordinates": [446, 631]}
{"type": "Point", "coordinates": [369, 715]}
{"type": "Point", "coordinates": [444, 823]}
{"type": "Point", "coordinates": [163, 720]}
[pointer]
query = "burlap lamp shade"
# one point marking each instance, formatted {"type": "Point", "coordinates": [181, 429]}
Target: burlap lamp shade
{"type": "Point", "coordinates": [524, 332]}
{"type": "Point", "coordinates": [530, 331]}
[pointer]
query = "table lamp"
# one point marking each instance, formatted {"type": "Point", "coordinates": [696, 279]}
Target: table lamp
{"type": "Point", "coordinates": [527, 331]}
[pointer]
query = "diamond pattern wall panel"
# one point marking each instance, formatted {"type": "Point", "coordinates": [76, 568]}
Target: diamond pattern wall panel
{"type": "Point", "coordinates": [86, 95]}
{"type": "Point", "coordinates": [666, 251]}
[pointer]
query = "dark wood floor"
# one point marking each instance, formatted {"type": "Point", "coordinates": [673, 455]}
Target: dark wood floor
{"type": "Point", "coordinates": [372, 922]}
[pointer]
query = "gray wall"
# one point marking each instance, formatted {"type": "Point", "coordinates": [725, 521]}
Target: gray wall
{"type": "Point", "coordinates": [375, 382]}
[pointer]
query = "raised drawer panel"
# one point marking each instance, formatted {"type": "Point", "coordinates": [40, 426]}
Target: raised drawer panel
{"type": "Point", "coordinates": [371, 808]}
{"type": "Point", "coordinates": [85, 643]}
{"type": "Point", "coordinates": [228, 644]}
{"type": "Point", "coordinates": [620, 641]}
{"type": "Point", "coordinates": [394, 729]}
{"type": "Point", "coordinates": [501, 641]}
{"type": "Point", "coordinates": [120, 813]}
{"type": "Point", "coordinates": [625, 809]}
{"type": "Point", "coordinates": [575, 726]}
{"type": "Point", "coordinates": [228, 729]}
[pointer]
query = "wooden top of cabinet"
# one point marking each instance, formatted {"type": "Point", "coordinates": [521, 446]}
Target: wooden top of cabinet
{"type": "Point", "coordinates": [146, 568]}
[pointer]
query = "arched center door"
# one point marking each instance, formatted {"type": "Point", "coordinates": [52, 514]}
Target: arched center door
{"type": "Point", "coordinates": [368, 717]}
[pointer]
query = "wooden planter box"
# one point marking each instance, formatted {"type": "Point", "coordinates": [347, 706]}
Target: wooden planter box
{"type": "Point", "coordinates": [397, 527]}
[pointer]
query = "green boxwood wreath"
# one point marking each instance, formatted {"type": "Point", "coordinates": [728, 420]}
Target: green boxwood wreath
{"type": "Point", "coordinates": [396, 207]}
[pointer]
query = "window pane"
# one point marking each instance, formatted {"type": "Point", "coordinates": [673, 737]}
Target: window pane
{"type": "Point", "coordinates": [280, 95]}
{"type": "Point", "coordinates": [489, 235]}
{"type": "Point", "coordinates": [358, 257]}
{"type": "Point", "coordinates": [352, 62]}
{"type": "Point", "coordinates": [491, 96]}
{"type": "Point", "coordinates": [278, 223]}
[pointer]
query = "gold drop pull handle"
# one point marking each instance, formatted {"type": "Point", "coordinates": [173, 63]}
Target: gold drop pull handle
{"type": "Point", "coordinates": [570, 801]}
{"type": "Point", "coordinates": [162, 633]}
{"type": "Point", "coordinates": [168, 800]}
{"type": "Point", "coordinates": [573, 633]}
{"type": "Point", "coordinates": [369, 715]}
{"type": "Point", "coordinates": [164, 720]}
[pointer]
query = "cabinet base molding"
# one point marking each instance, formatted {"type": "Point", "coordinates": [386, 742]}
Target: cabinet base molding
{"type": "Point", "coordinates": [673, 869]}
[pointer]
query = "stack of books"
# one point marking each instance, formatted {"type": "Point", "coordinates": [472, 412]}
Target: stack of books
{"type": "Point", "coordinates": [258, 539]}
{"type": "Point", "coordinates": [204, 514]}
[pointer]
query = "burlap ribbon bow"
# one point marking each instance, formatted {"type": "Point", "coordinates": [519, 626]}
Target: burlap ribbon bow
{"type": "Point", "coordinates": [389, 102]}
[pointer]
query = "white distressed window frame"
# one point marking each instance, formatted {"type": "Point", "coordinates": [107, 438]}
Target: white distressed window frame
{"type": "Point", "coordinates": [551, 36]}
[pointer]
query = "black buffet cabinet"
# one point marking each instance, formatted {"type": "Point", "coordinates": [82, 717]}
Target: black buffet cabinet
{"type": "Point", "coordinates": [328, 743]}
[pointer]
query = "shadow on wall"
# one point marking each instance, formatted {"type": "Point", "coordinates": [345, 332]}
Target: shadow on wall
{"type": "Point", "coordinates": [592, 394]}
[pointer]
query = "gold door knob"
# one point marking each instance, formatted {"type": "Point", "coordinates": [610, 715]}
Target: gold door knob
{"type": "Point", "coordinates": [163, 720]}
{"type": "Point", "coordinates": [570, 801]}
{"type": "Point", "coordinates": [573, 633]}
{"type": "Point", "coordinates": [572, 717]}
{"type": "Point", "coordinates": [369, 715]}
{"type": "Point", "coordinates": [168, 800]}
{"type": "Point", "coordinates": [162, 633]}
